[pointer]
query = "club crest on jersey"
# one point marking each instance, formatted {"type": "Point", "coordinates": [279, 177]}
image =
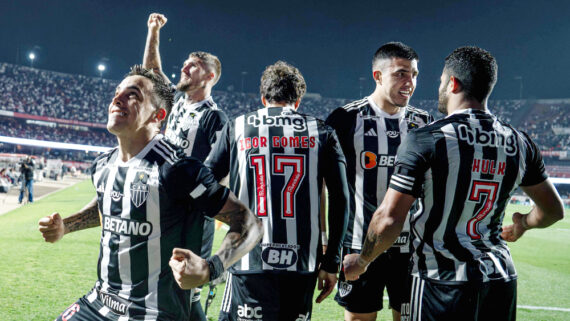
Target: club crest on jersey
{"type": "Point", "coordinates": [191, 120]}
{"type": "Point", "coordinates": [344, 288]}
{"type": "Point", "coordinates": [139, 189]}
{"type": "Point", "coordinates": [298, 123]}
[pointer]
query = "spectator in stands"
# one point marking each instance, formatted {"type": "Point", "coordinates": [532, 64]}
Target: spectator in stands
{"type": "Point", "coordinates": [27, 176]}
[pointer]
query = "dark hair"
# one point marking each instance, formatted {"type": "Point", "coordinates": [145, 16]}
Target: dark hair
{"type": "Point", "coordinates": [394, 50]}
{"type": "Point", "coordinates": [475, 69]}
{"type": "Point", "coordinates": [163, 95]}
{"type": "Point", "coordinates": [211, 61]}
{"type": "Point", "coordinates": [282, 82]}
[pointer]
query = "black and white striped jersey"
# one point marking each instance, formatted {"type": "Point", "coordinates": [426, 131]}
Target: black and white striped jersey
{"type": "Point", "coordinates": [370, 138]}
{"type": "Point", "coordinates": [143, 204]}
{"type": "Point", "coordinates": [464, 167]}
{"type": "Point", "coordinates": [195, 127]}
{"type": "Point", "coordinates": [277, 159]}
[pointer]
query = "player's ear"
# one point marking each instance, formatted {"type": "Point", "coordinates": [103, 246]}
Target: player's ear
{"type": "Point", "coordinates": [160, 114]}
{"type": "Point", "coordinates": [455, 85]}
{"type": "Point", "coordinates": [377, 75]}
{"type": "Point", "coordinates": [297, 102]}
{"type": "Point", "coordinates": [264, 101]}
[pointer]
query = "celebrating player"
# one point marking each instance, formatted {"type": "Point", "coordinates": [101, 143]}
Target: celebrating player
{"type": "Point", "coordinates": [370, 131]}
{"type": "Point", "coordinates": [146, 190]}
{"type": "Point", "coordinates": [277, 158]}
{"type": "Point", "coordinates": [465, 167]}
{"type": "Point", "coordinates": [195, 121]}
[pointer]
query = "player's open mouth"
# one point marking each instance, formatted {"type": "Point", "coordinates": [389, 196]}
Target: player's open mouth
{"type": "Point", "coordinates": [406, 93]}
{"type": "Point", "coordinates": [118, 111]}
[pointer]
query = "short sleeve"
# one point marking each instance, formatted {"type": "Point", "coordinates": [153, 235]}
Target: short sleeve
{"type": "Point", "coordinates": [219, 158]}
{"type": "Point", "coordinates": [535, 172]}
{"type": "Point", "coordinates": [196, 183]}
{"type": "Point", "coordinates": [412, 161]}
{"type": "Point", "coordinates": [333, 150]}
{"type": "Point", "coordinates": [213, 123]}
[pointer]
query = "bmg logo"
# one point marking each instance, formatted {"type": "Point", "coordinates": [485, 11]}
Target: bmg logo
{"type": "Point", "coordinates": [249, 312]}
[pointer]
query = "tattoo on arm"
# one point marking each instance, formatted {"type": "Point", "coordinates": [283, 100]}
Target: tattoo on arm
{"type": "Point", "coordinates": [87, 217]}
{"type": "Point", "coordinates": [245, 231]}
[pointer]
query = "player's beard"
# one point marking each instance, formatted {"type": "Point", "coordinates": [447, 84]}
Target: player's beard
{"type": "Point", "coordinates": [442, 100]}
{"type": "Point", "coordinates": [183, 85]}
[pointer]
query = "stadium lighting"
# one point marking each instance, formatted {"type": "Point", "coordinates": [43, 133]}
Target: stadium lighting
{"type": "Point", "coordinates": [101, 68]}
{"type": "Point", "coordinates": [173, 75]}
{"type": "Point", "coordinates": [32, 57]}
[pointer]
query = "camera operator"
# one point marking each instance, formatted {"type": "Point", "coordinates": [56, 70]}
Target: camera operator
{"type": "Point", "coordinates": [27, 176]}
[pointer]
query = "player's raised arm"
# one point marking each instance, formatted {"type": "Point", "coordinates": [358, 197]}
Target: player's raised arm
{"type": "Point", "coordinates": [151, 58]}
{"type": "Point", "coordinates": [190, 270]}
{"type": "Point", "coordinates": [53, 227]}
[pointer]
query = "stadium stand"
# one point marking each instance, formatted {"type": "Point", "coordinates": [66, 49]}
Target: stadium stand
{"type": "Point", "coordinates": [52, 106]}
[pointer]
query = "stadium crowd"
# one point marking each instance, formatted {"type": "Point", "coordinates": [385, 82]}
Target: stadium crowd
{"type": "Point", "coordinates": [77, 97]}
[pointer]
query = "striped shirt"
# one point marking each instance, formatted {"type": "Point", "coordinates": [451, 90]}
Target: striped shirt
{"type": "Point", "coordinates": [195, 127]}
{"type": "Point", "coordinates": [277, 159]}
{"type": "Point", "coordinates": [465, 167]}
{"type": "Point", "coordinates": [144, 204]}
{"type": "Point", "coordinates": [370, 139]}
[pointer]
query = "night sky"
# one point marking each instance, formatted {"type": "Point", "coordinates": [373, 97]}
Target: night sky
{"type": "Point", "coordinates": [331, 42]}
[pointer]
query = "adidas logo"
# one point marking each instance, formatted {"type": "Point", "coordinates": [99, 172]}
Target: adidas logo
{"type": "Point", "coordinates": [371, 132]}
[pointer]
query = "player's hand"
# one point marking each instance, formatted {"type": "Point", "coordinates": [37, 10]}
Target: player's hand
{"type": "Point", "coordinates": [51, 227]}
{"type": "Point", "coordinates": [326, 282]}
{"type": "Point", "coordinates": [325, 249]}
{"type": "Point", "coordinates": [353, 266]}
{"type": "Point", "coordinates": [513, 232]}
{"type": "Point", "coordinates": [189, 269]}
{"type": "Point", "coordinates": [156, 21]}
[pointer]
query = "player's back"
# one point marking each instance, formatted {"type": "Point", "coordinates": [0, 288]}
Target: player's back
{"type": "Point", "coordinates": [474, 163]}
{"type": "Point", "coordinates": [276, 168]}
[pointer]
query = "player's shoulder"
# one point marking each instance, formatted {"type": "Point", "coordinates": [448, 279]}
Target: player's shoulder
{"type": "Point", "coordinates": [104, 158]}
{"type": "Point", "coordinates": [347, 113]}
{"type": "Point", "coordinates": [417, 111]}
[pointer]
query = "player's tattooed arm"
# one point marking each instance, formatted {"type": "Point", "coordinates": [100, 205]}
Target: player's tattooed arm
{"type": "Point", "coordinates": [385, 226]}
{"type": "Point", "coordinates": [86, 218]}
{"type": "Point", "coordinates": [53, 227]}
{"type": "Point", "coordinates": [245, 231]}
{"type": "Point", "coordinates": [151, 58]}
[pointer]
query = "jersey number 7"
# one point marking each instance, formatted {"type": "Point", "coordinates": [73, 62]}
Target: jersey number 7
{"type": "Point", "coordinates": [480, 190]}
{"type": "Point", "coordinates": [279, 163]}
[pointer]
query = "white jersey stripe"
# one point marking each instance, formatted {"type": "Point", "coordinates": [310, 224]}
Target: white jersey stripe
{"type": "Point", "coordinates": [382, 174]}
{"type": "Point", "coordinates": [290, 223]}
{"type": "Point", "coordinates": [243, 171]}
{"type": "Point", "coordinates": [106, 236]}
{"type": "Point", "coordinates": [313, 189]}
{"type": "Point", "coordinates": [357, 238]}
{"type": "Point", "coordinates": [153, 244]}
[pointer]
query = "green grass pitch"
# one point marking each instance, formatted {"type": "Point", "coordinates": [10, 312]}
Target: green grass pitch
{"type": "Point", "coordinates": [39, 280]}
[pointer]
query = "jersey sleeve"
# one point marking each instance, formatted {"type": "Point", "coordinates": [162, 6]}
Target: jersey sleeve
{"type": "Point", "coordinates": [193, 181]}
{"type": "Point", "coordinates": [334, 173]}
{"type": "Point", "coordinates": [218, 161]}
{"type": "Point", "coordinates": [339, 121]}
{"type": "Point", "coordinates": [412, 161]}
{"type": "Point", "coordinates": [213, 123]}
{"type": "Point", "coordinates": [535, 172]}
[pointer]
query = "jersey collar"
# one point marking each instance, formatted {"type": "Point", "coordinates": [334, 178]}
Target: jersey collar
{"type": "Point", "coordinates": [380, 112]}
{"type": "Point", "coordinates": [196, 105]}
